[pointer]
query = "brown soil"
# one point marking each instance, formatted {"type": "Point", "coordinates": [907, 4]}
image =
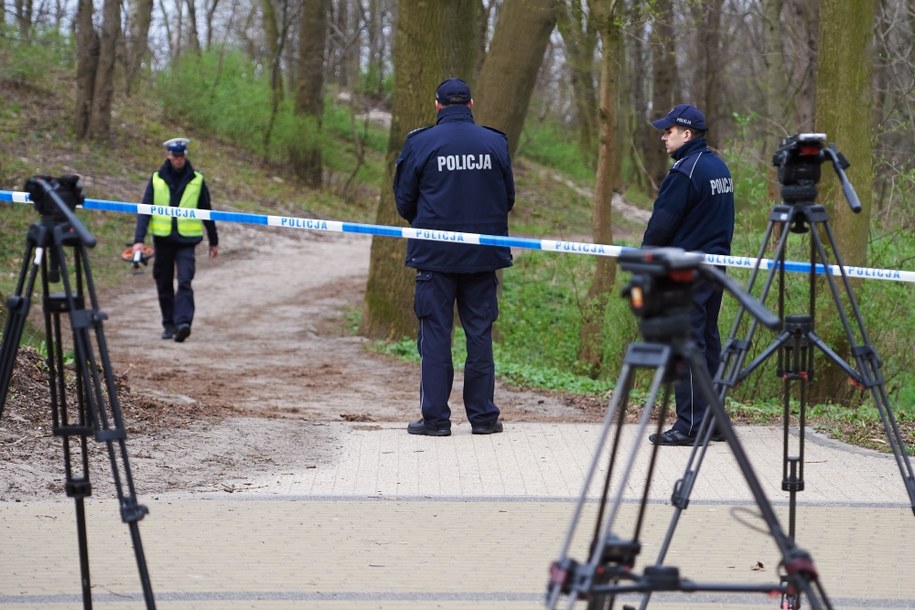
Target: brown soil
{"type": "Point", "coordinates": [269, 363]}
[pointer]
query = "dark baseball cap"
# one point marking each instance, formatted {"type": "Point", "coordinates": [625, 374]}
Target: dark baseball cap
{"type": "Point", "coordinates": [683, 115]}
{"type": "Point", "coordinates": [452, 91]}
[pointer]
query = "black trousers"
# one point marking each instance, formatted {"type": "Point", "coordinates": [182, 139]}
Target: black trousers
{"type": "Point", "coordinates": [691, 406]}
{"type": "Point", "coordinates": [477, 303]}
{"type": "Point", "coordinates": [176, 305]}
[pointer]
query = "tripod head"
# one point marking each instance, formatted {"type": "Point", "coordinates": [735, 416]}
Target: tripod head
{"type": "Point", "coordinates": [798, 160]}
{"type": "Point", "coordinates": [659, 291]}
{"type": "Point", "coordinates": [55, 199]}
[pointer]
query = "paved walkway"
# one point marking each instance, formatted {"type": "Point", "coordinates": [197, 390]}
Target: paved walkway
{"type": "Point", "coordinates": [396, 521]}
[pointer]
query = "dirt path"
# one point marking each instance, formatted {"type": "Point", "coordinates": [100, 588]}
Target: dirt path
{"type": "Point", "coordinates": [269, 363]}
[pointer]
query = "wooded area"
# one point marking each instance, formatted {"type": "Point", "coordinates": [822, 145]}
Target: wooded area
{"type": "Point", "coordinates": [601, 69]}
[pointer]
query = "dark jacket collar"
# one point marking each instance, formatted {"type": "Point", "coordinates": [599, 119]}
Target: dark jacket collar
{"type": "Point", "coordinates": [171, 176]}
{"type": "Point", "coordinates": [693, 146]}
{"type": "Point", "coordinates": [454, 112]}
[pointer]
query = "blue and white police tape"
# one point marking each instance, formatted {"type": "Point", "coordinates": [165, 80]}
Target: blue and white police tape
{"type": "Point", "coordinates": [547, 245]}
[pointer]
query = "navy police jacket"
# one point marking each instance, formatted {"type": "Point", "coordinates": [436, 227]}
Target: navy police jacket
{"type": "Point", "coordinates": [695, 205]}
{"type": "Point", "coordinates": [455, 176]}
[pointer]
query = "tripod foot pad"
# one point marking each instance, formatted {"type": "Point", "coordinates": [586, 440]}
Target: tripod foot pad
{"type": "Point", "coordinates": [662, 578]}
{"type": "Point", "coordinates": [78, 488]}
{"type": "Point", "coordinates": [131, 513]}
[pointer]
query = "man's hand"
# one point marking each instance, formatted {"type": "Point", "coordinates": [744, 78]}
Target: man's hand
{"type": "Point", "coordinates": [214, 251]}
{"type": "Point", "coordinates": [138, 246]}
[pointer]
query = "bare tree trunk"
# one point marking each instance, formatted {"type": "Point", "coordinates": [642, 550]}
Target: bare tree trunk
{"type": "Point", "coordinates": [166, 25]}
{"type": "Point", "coordinates": [844, 75]}
{"type": "Point", "coordinates": [138, 40]}
{"type": "Point", "coordinates": [376, 21]}
{"type": "Point", "coordinates": [590, 337]}
{"type": "Point", "coordinates": [778, 101]}
{"type": "Point", "coordinates": [428, 48]}
{"type": "Point", "coordinates": [776, 74]}
{"type": "Point", "coordinates": [24, 19]}
{"type": "Point", "coordinates": [103, 95]}
{"type": "Point", "coordinates": [210, 12]}
{"type": "Point", "coordinates": [344, 38]}
{"type": "Point", "coordinates": [87, 49]}
{"type": "Point", "coordinates": [509, 72]}
{"type": "Point", "coordinates": [665, 88]}
{"type": "Point", "coordinates": [806, 15]}
{"type": "Point", "coordinates": [274, 38]}
{"type": "Point", "coordinates": [193, 34]}
{"type": "Point", "coordinates": [711, 53]}
{"type": "Point", "coordinates": [309, 101]}
{"type": "Point", "coordinates": [272, 42]}
{"type": "Point", "coordinates": [580, 38]}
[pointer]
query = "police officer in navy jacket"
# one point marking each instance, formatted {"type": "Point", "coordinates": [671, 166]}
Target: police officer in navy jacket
{"type": "Point", "coordinates": [455, 176]}
{"type": "Point", "coordinates": [694, 210]}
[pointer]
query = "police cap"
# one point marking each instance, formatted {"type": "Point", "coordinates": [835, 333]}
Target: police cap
{"type": "Point", "coordinates": [683, 115]}
{"type": "Point", "coordinates": [452, 91]}
{"type": "Point", "coordinates": [176, 146]}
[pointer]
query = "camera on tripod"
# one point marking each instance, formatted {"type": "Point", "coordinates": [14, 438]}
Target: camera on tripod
{"type": "Point", "coordinates": [660, 290]}
{"type": "Point", "coordinates": [662, 279]}
{"type": "Point", "coordinates": [42, 191]}
{"type": "Point", "coordinates": [798, 160]}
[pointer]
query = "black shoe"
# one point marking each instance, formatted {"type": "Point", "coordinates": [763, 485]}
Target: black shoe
{"type": "Point", "coordinates": [183, 332]}
{"type": "Point", "coordinates": [672, 437]}
{"type": "Point", "coordinates": [718, 437]}
{"type": "Point", "coordinates": [169, 332]}
{"type": "Point", "coordinates": [493, 428]}
{"type": "Point", "coordinates": [419, 427]}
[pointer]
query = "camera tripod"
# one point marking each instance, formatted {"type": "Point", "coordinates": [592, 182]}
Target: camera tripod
{"type": "Point", "coordinates": [798, 160]}
{"type": "Point", "coordinates": [659, 293]}
{"type": "Point", "coordinates": [96, 409]}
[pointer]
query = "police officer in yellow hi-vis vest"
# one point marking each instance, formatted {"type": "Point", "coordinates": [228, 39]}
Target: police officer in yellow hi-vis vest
{"type": "Point", "coordinates": [175, 235]}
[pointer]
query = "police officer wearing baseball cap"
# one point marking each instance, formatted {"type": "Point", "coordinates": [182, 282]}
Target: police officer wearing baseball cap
{"type": "Point", "coordinates": [694, 210]}
{"type": "Point", "coordinates": [455, 176]}
{"type": "Point", "coordinates": [175, 235]}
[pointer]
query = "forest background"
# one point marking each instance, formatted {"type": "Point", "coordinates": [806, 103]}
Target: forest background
{"type": "Point", "coordinates": [318, 95]}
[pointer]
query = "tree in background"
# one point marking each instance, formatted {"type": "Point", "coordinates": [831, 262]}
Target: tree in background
{"type": "Point", "coordinates": [276, 33]}
{"type": "Point", "coordinates": [708, 95]}
{"type": "Point", "coordinates": [509, 73]}
{"type": "Point", "coordinates": [377, 17]}
{"type": "Point", "coordinates": [95, 59]}
{"type": "Point", "coordinates": [894, 60]}
{"type": "Point", "coordinates": [579, 37]}
{"type": "Point", "coordinates": [137, 43]}
{"type": "Point", "coordinates": [24, 16]}
{"type": "Point", "coordinates": [845, 99]}
{"type": "Point", "coordinates": [604, 13]}
{"type": "Point", "coordinates": [665, 90]}
{"type": "Point", "coordinates": [305, 155]}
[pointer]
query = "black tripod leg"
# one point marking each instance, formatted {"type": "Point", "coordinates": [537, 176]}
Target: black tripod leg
{"type": "Point", "coordinates": [801, 575]}
{"type": "Point", "coordinates": [568, 577]}
{"type": "Point", "coordinates": [735, 350]}
{"type": "Point", "coordinates": [17, 312]}
{"type": "Point", "coordinates": [869, 364]}
{"type": "Point", "coordinates": [100, 400]}
{"type": "Point", "coordinates": [731, 372]}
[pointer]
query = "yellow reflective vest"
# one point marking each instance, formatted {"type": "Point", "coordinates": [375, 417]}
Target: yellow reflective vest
{"type": "Point", "coordinates": [161, 225]}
